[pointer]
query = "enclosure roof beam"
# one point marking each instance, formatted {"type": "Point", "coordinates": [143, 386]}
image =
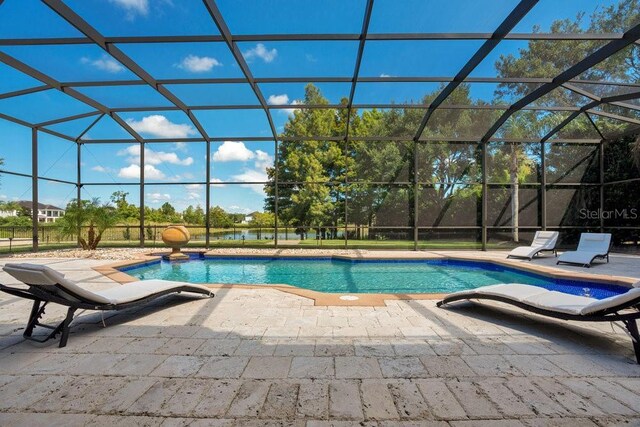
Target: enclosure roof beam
{"type": "Point", "coordinates": [49, 41]}
{"type": "Point", "coordinates": [609, 99]}
{"type": "Point", "coordinates": [507, 25]}
{"type": "Point", "coordinates": [32, 72]}
{"type": "Point", "coordinates": [583, 65]}
{"type": "Point", "coordinates": [356, 71]}
{"type": "Point", "coordinates": [57, 134]}
{"type": "Point", "coordinates": [84, 27]}
{"type": "Point", "coordinates": [582, 92]}
{"type": "Point", "coordinates": [341, 106]}
{"type": "Point", "coordinates": [24, 91]}
{"type": "Point", "coordinates": [319, 79]}
{"type": "Point", "coordinates": [68, 118]}
{"type": "Point", "coordinates": [213, 10]}
{"type": "Point", "coordinates": [614, 116]}
{"type": "Point", "coordinates": [407, 138]}
{"type": "Point", "coordinates": [569, 119]}
{"type": "Point", "coordinates": [88, 128]}
{"type": "Point", "coordinates": [15, 120]}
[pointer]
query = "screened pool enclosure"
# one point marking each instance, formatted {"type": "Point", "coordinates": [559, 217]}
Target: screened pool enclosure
{"type": "Point", "coordinates": [362, 123]}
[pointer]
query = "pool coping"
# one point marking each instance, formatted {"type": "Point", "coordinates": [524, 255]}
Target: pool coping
{"type": "Point", "coordinates": [334, 299]}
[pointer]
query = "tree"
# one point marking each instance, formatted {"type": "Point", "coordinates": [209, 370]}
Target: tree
{"type": "Point", "coordinates": [193, 215]}
{"type": "Point", "coordinates": [126, 211]}
{"type": "Point", "coordinates": [167, 210]}
{"type": "Point", "coordinates": [163, 215]}
{"type": "Point", "coordinates": [262, 220]}
{"type": "Point", "coordinates": [22, 219]}
{"type": "Point", "coordinates": [310, 164]}
{"type": "Point", "coordinates": [218, 218]}
{"type": "Point", "coordinates": [90, 213]}
{"type": "Point", "coordinates": [549, 58]}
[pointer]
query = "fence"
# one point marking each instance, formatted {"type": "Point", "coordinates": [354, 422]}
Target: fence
{"type": "Point", "coordinates": [20, 238]}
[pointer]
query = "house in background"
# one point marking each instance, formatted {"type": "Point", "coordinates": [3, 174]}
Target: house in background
{"type": "Point", "coordinates": [249, 217]}
{"type": "Point", "coordinates": [46, 213]}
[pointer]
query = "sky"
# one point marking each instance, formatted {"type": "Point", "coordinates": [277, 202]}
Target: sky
{"type": "Point", "coordinates": [237, 164]}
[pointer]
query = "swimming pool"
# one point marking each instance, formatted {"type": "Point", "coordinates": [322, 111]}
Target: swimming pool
{"type": "Point", "coordinates": [360, 276]}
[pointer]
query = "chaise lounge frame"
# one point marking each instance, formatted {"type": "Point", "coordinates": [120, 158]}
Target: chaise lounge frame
{"type": "Point", "coordinates": [536, 250]}
{"type": "Point", "coordinates": [612, 314]}
{"type": "Point", "coordinates": [603, 255]}
{"type": "Point", "coordinates": [45, 294]}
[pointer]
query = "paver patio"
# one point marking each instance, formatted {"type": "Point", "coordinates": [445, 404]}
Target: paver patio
{"type": "Point", "coordinates": [264, 357]}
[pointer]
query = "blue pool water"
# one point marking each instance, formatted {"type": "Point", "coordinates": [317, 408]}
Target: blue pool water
{"type": "Point", "coordinates": [360, 276]}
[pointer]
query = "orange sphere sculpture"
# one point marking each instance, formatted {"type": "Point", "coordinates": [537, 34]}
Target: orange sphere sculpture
{"type": "Point", "coordinates": [176, 237]}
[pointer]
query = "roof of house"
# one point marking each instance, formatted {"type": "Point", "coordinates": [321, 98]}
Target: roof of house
{"type": "Point", "coordinates": [27, 204]}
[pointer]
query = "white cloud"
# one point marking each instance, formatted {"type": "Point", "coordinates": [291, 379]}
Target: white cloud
{"type": "Point", "coordinates": [260, 51]}
{"type": "Point", "coordinates": [310, 58]}
{"type": "Point", "coordinates": [133, 7]}
{"type": "Point", "coordinates": [385, 75]}
{"type": "Point", "coordinates": [133, 172]}
{"type": "Point", "coordinates": [158, 197]}
{"type": "Point", "coordinates": [152, 157]}
{"type": "Point", "coordinates": [263, 160]}
{"type": "Point", "coordinates": [3, 196]}
{"type": "Point", "coordinates": [232, 151]}
{"type": "Point", "coordinates": [180, 146]}
{"type": "Point", "coordinates": [193, 196]}
{"type": "Point", "coordinates": [236, 151]}
{"type": "Point", "coordinates": [216, 181]}
{"type": "Point", "coordinates": [251, 175]}
{"type": "Point", "coordinates": [198, 64]}
{"type": "Point", "coordinates": [278, 99]}
{"type": "Point", "coordinates": [104, 63]}
{"type": "Point", "coordinates": [290, 111]}
{"type": "Point", "coordinates": [98, 169]}
{"type": "Point", "coordinates": [193, 186]}
{"type": "Point", "coordinates": [160, 126]}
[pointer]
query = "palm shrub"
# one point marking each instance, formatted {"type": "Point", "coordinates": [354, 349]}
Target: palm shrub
{"type": "Point", "coordinates": [87, 213]}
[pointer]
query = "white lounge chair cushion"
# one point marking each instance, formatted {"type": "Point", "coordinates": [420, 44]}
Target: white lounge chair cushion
{"type": "Point", "coordinates": [543, 240]}
{"type": "Point", "coordinates": [594, 242]}
{"type": "Point", "coordinates": [34, 274]}
{"type": "Point", "coordinates": [141, 289]}
{"type": "Point", "coordinates": [514, 291]}
{"type": "Point", "coordinates": [546, 239]}
{"type": "Point", "coordinates": [577, 257]}
{"type": "Point", "coordinates": [559, 302]}
{"type": "Point", "coordinates": [552, 300]}
{"type": "Point", "coordinates": [525, 251]}
{"type": "Point", "coordinates": [611, 302]}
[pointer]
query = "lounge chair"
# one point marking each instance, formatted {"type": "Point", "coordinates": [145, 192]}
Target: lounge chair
{"type": "Point", "coordinates": [590, 247]}
{"type": "Point", "coordinates": [559, 305]}
{"type": "Point", "coordinates": [47, 285]}
{"type": "Point", "coordinates": [542, 241]}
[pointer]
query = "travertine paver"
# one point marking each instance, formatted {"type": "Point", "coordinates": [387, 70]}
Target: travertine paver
{"type": "Point", "coordinates": [377, 400]}
{"type": "Point", "coordinates": [344, 399]}
{"type": "Point", "coordinates": [312, 367]}
{"type": "Point", "coordinates": [357, 367]}
{"type": "Point", "coordinates": [260, 357]}
{"type": "Point", "coordinates": [267, 367]}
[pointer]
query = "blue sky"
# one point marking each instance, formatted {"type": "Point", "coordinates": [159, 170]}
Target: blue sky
{"type": "Point", "coordinates": [240, 162]}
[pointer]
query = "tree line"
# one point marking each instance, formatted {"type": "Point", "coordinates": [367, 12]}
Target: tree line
{"type": "Point", "coordinates": [386, 183]}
